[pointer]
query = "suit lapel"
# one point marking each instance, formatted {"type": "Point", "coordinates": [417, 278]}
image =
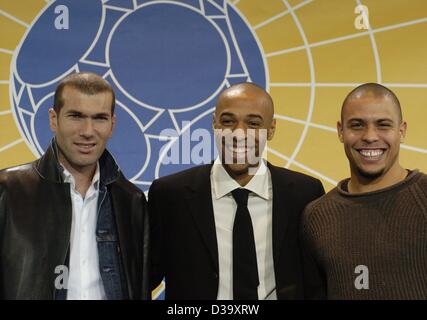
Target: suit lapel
{"type": "Point", "coordinates": [199, 201]}
{"type": "Point", "coordinates": [283, 205]}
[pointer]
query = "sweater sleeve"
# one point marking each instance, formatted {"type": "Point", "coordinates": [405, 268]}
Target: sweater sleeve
{"type": "Point", "coordinates": [314, 279]}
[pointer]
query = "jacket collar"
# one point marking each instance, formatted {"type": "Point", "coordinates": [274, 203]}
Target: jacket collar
{"type": "Point", "coordinates": [199, 199]}
{"type": "Point", "coordinates": [223, 183]}
{"type": "Point", "coordinates": [48, 166]}
{"type": "Point", "coordinates": [283, 208]}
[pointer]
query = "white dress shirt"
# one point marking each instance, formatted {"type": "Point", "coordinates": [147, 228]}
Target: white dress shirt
{"type": "Point", "coordinates": [84, 279]}
{"type": "Point", "coordinates": [260, 206]}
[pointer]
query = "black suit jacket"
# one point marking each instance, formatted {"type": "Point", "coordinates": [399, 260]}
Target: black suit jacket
{"type": "Point", "coordinates": [183, 236]}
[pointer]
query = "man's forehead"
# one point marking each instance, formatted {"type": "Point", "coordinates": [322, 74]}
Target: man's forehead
{"type": "Point", "coordinates": [72, 95]}
{"type": "Point", "coordinates": [72, 92]}
{"type": "Point", "coordinates": [96, 103]}
{"type": "Point", "coordinates": [243, 103]}
{"type": "Point", "coordinates": [370, 107]}
{"type": "Point", "coordinates": [242, 111]}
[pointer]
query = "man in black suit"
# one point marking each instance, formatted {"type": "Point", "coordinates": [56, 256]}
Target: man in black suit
{"type": "Point", "coordinates": [229, 230]}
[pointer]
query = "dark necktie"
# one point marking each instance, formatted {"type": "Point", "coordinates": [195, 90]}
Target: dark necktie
{"type": "Point", "coordinates": [245, 269]}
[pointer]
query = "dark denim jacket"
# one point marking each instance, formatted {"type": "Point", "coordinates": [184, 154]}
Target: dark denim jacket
{"type": "Point", "coordinates": [110, 263]}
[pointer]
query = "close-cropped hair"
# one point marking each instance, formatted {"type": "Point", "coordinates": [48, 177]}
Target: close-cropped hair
{"type": "Point", "coordinates": [85, 82]}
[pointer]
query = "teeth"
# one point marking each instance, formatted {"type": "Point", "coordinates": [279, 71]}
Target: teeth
{"type": "Point", "coordinates": [238, 150]}
{"type": "Point", "coordinates": [371, 153]}
{"type": "Point", "coordinates": [86, 146]}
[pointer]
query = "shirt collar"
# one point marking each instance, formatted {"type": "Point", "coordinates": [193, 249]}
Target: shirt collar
{"type": "Point", "coordinates": [223, 183]}
{"type": "Point", "coordinates": [68, 177]}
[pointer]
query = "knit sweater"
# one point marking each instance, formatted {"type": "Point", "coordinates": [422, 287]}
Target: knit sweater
{"type": "Point", "coordinates": [384, 232]}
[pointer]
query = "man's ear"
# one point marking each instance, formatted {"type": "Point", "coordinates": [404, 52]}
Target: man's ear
{"type": "Point", "coordinates": [113, 124]}
{"type": "Point", "coordinates": [53, 120]}
{"type": "Point", "coordinates": [271, 130]}
{"type": "Point", "coordinates": [339, 131]}
{"type": "Point", "coordinates": [402, 130]}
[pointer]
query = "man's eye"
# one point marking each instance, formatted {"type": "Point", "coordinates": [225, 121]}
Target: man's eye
{"type": "Point", "coordinates": [75, 116]}
{"type": "Point", "coordinates": [226, 121]}
{"type": "Point", "coordinates": [356, 125]}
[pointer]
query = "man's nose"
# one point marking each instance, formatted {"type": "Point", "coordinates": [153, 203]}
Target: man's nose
{"type": "Point", "coordinates": [87, 128]}
{"type": "Point", "coordinates": [239, 133]}
{"type": "Point", "coordinates": [240, 125]}
{"type": "Point", "coordinates": [370, 134]}
{"type": "Point", "coordinates": [240, 129]}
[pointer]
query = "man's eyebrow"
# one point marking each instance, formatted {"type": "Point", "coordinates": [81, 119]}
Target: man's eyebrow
{"type": "Point", "coordinates": [73, 111]}
{"type": "Point", "coordinates": [101, 114]}
{"type": "Point", "coordinates": [227, 114]}
{"type": "Point", "coordinates": [364, 120]}
{"type": "Point", "coordinates": [76, 112]}
{"type": "Point", "coordinates": [254, 116]}
{"type": "Point", "coordinates": [354, 120]}
{"type": "Point", "coordinates": [248, 116]}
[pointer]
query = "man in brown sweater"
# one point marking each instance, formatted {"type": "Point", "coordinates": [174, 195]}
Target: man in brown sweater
{"type": "Point", "coordinates": [368, 236]}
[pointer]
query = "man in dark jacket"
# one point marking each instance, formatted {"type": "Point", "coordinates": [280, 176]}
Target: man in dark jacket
{"type": "Point", "coordinates": [71, 225]}
{"type": "Point", "coordinates": [228, 230]}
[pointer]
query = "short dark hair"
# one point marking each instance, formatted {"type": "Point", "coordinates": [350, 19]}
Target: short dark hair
{"type": "Point", "coordinates": [376, 90]}
{"type": "Point", "coordinates": [85, 82]}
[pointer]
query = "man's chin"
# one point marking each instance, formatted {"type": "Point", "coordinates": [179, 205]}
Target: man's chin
{"type": "Point", "coordinates": [371, 174]}
{"type": "Point", "coordinates": [237, 168]}
{"type": "Point", "coordinates": [83, 164]}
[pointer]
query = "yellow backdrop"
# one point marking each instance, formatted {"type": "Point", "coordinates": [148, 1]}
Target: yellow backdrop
{"type": "Point", "coordinates": [314, 54]}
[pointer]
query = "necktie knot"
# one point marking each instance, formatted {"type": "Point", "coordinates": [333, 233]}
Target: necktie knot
{"type": "Point", "coordinates": [241, 196]}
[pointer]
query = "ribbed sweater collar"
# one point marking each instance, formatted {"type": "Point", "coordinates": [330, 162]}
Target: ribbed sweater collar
{"type": "Point", "coordinates": [410, 179]}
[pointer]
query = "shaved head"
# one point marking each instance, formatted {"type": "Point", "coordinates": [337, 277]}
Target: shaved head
{"type": "Point", "coordinates": [243, 122]}
{"type": "Point", "coordinates": [247, 90]}
{"type": "Point", "coordinates": [373, 91]}
{"type": "Point", "coordinates": [372, 129]}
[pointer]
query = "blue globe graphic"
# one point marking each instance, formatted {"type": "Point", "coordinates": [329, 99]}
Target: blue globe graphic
{"type": "Point", "coordinates": [166, 60]}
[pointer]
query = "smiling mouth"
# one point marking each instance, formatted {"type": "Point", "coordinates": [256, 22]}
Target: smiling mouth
{"type": "Point", "coordinates": [239, 150]}
{"type": "Point", "coordinates": [85, 146]}
{"type": "Point", "coordinates": [371, 154]}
